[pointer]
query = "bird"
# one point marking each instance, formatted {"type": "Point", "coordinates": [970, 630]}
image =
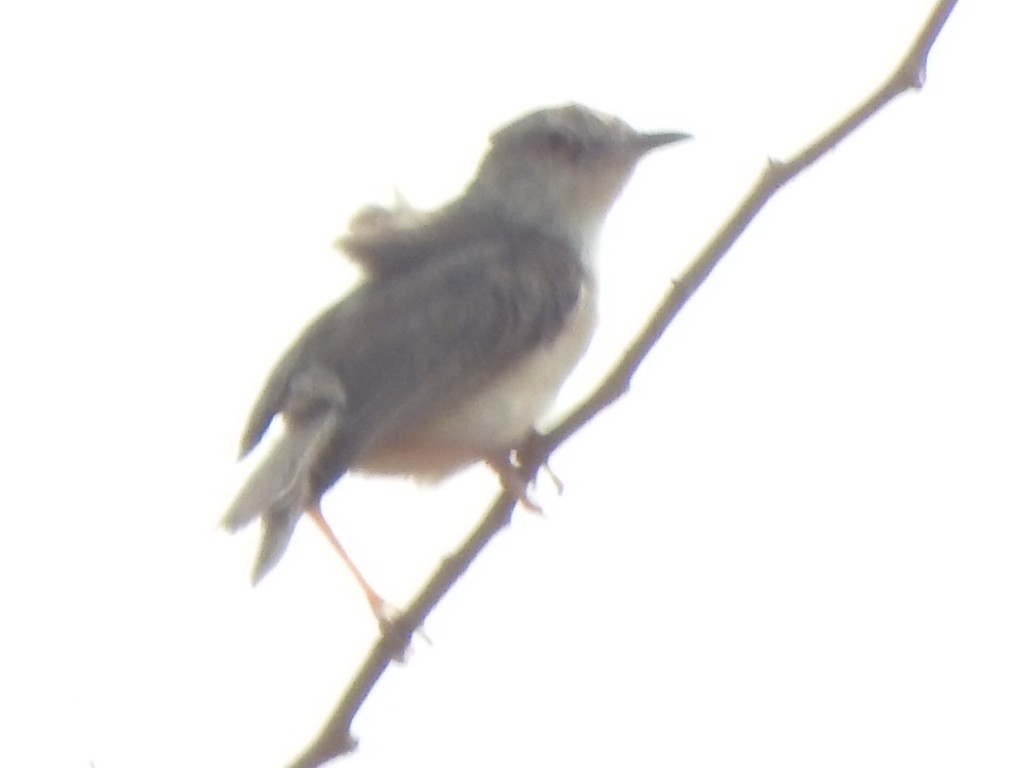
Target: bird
{"type": "Point", "coordinates": [466, 323]}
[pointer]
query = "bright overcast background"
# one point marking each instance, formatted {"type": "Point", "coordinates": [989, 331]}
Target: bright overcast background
{"type": "Point", "coordinates": [798, 541]}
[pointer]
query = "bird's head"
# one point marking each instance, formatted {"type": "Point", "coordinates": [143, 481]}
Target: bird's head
{"type": "Point", "coordinates": [560, 169]}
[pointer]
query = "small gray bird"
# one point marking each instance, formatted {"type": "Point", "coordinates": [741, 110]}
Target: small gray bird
{"type": "Point", "coordinates": [467, 323]}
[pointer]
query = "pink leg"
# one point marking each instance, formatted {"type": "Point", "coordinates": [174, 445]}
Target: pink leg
{"type": "Point", "coordinates": [382, 610]}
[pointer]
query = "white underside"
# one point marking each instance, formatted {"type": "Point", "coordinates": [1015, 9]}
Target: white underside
{"type": "Point", "coordinates": [509, 409]}
{"type": "Point", "coordinates": [497, 419]}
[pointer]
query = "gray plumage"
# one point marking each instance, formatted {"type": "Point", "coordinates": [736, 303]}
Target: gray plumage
{"type": "Point", "coordinates": [395, 352]}
{"type": "Point", "coordinates": [410, 372]}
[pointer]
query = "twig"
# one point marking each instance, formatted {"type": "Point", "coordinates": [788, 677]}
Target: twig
{"type": "Point", "coordinates": [335, 738]}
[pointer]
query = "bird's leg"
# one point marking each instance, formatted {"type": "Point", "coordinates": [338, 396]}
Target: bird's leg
{"type": "Point", "coordinates": [512, 480]}
{"type": "Point", "coordinates": [526, 452]}
{"type": "Point", "coordinates": [383, 611]}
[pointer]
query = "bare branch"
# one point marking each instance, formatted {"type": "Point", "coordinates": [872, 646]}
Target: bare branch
{"type": "Point", "coordinates": [335, 738]}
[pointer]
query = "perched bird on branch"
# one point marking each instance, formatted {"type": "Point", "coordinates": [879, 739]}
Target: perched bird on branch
{"type": "Point", "coordinates": [466, 324]}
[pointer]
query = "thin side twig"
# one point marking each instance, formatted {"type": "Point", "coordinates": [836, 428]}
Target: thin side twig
{"type": "Point", "coordinates": [336, 738]}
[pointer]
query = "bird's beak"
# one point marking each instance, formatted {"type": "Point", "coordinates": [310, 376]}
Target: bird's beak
{"type": "Point", "coordinates": [645, 142]}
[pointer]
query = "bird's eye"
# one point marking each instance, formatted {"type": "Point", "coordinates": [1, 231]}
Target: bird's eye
{"type": "Point", "coordinates": [559, 143]}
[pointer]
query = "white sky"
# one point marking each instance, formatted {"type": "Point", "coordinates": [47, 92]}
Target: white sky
{"type": "Point", "coordinates": [797, 542]}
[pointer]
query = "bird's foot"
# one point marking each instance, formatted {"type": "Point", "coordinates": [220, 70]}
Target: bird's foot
{"type": "Point", "coordinates": [513, 480]}
{"type": "Point", "coordinates": [514, 468]}
{"type": "Point", "coordinates": [395, 631]}
{"type": "Point", "coordinates": [385, 613]}
{"type": "Point", "coordinates": [527, 455]}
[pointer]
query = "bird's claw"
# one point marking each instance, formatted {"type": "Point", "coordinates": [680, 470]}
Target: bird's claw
{"type": "Point", "coordinates": [510, 469]}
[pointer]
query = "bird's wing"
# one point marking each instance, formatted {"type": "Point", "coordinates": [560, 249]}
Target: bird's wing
{"type": "Point", "coordinates": [395, 352]}
{"type": "Point", "coordinates": [407, 346]}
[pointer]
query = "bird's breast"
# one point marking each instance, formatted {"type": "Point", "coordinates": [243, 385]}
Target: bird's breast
{"type": "Point", "coordinates": [496, 419]}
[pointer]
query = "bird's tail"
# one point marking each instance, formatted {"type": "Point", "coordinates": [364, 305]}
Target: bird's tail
{"type": "Point", "coordinates": [277, 492]}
